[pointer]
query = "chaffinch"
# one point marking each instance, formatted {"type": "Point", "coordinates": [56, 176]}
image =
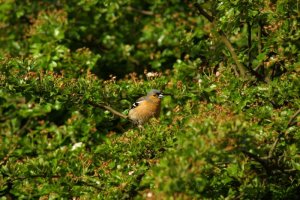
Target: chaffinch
{"type": "Point", "coordinates": [146, 107]}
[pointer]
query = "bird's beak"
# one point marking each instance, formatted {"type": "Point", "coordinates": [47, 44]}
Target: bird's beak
{"type": "Point", "coordinates": [160, 95]}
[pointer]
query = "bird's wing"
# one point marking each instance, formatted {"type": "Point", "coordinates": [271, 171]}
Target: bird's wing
{"type": "Point", "coordinates": [134, 105]}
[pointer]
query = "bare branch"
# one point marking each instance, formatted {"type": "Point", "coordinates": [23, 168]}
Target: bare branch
{"type": "Point", "coordinates": [249, 27]}
{"type": "Point", "coordinates": [281, 134]}
{"type": "Point", "coordinates": [106, 107]}
{"type": "Point", "coordinates": [204, 13]}
{"type": "Point", "coordinates": [232, 52]}
{"type": "Point", "coordinates": [144, 12]}
{"type": "Point", "coordinates": [224, 39]}
{"type": "Point", "coordinates": [258, 159]}
{"type": "Point", "coordinates": [259, 45]}
{"type": "Point", "coordinates": [293, 117]}
{"type": "Point", "coordinates": [5, 159]}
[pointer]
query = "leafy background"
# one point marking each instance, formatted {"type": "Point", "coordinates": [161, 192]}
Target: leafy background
{"type": "Point", "coordinates": [230, 129]}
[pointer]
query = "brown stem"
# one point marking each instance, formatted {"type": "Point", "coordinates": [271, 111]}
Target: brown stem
{"type": "Point", "coordinates": [224, 40]}
{"type": "Point", "coordinates": [281, 134]}
{"type": "Point", "coordinates": [6, 158]}
{"type": "Point", "coordinates": [78, 182]}
{"type": "Point", "coordinates": [258, 159]}
{"type": "Point", "coordinates": [249, 44]}
{"type": "Point", "coordinates": [144, 12]}
{"type": "Point", "coordinates": [106, 107]}
{"type": "Point", "coordinates": [233, 54]}
{"type": "Point", "coordinates": [260, 46]}
{"type": "Point", "coordinates": [266, 162]}
{"type": "Point", "coordinates": [204, 13]}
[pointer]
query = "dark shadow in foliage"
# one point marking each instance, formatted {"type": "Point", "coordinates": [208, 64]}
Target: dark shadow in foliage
{"type": "Point", "coordinates": [58, 117]}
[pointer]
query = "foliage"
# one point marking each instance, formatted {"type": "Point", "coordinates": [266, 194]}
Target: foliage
{"type": "Point", "coordinates": [220, 135]}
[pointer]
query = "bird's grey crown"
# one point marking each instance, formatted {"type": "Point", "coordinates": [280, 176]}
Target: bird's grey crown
{"type": "Point", "coordinates": [154, 91]}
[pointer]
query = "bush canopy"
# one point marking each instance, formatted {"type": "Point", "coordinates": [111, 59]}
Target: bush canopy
{"type": "Point", "coordinates": [71, 69]}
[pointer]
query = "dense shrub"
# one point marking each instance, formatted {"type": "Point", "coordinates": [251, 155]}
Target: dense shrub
{"type": "Point", "coordinates": [229, 128]}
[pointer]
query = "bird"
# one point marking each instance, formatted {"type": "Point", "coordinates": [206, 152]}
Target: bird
{"type": "Point", "coordinates": [146, 107]}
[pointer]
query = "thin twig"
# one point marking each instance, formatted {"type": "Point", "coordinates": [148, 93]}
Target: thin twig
{"type": "Point", "coordinates": [204, 13]}
{"type": "Point", "coordinates": [106, 107]}
{"type": "Point", "coordinates": [258, 159]}
{"type": "Point", "coordinates": [281, 134]}
{"type": "Point", "coordinates": [266, 162]}
{"type": "Point", "coordinates": [260, 46]}
{"type": "Point", "coordinates": [293, 118]}
{"type": "Point", "coordinates": [5, 118]}
{"type": "Point", "coordinates": [144, 12]}
{"type": "Point", "coordinates": [5, 159]}
{"type": "Point", "coordinates": [249, 44]}
{"type": "Point", "coordinates": [23, 128]}
{"type": "Point", "coordinates": [88, 184]}
{"type": "Point", "coordinates": [224, 39]}
{"type": "Point", "coordinates": [78, 182]}
{"type": "Point", "coordinates": [233, 54]}
{"type": "Point", "coordinates": [270, 154]}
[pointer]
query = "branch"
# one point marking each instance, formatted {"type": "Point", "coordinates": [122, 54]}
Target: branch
{"type": "Point", "coordinates": [5, 159]}
{"type": "Point", "coordinates": [261, 66]}
{"type": "Point", "coordinates": [144, 12]}
{"type": "Point", "coordinates": [88, 184]}
{"type": "Point", "coordinates": [78, 182]}
{"type": "Point", "coordinates": [224, 39]}
{"type": "Point", "coordinates": [293, 117]}
{"type": "Point", "coordinates": [266, 162]}
{"type": "Point", "coordinates": [249, 44]}
{"type": "Point", "coordinates": [259, 45]}
{"type": "Point", "coordinates": [270, 154]}
{"type": "Point", "coordinates": [232, 52]}
{"type": "Point", "coordinates": [204, 13]}
{"type": "Point", "coordinates": [281, 134]}
{"type": "Point", "coordinates": [13, 148]}
{"type": "Point", "coordinates": [258, 159]}
{"type": "Point", "coordinates": [24, 127]}
{"type": "Point", "coordinates": [106, 107]}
